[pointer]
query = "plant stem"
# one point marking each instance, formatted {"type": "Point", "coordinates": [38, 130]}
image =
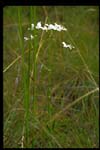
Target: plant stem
{"type": "Point", "coordinates": [25, 76]}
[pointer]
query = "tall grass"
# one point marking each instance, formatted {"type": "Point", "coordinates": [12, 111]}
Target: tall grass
{"type": "Point", "coordinates": [34, 51]}
{"type": "Point", "coordinates": [61, 99]}
{"type": "Point", "coordinates": [26, 79]}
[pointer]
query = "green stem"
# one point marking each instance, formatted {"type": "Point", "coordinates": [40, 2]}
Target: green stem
{"type": "Point", "coordinates": [25, 77]}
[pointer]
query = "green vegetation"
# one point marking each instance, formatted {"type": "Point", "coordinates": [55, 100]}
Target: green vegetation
{"type": "Point", "coordinates": [50, 92]}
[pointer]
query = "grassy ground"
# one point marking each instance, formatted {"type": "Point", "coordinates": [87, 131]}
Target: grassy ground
{"type": "Point", "coordinates": [56, 106]}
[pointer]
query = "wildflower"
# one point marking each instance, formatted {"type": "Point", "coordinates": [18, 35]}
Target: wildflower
{"type": "Point", "coordinates": [56, 27]}
{"type": "Point", "coordinates": [68, 46]}
{"type": "Point", "coordinates": [38, 26]}
{"type": "Point", "coordinates": [59, 27]}
{"type": "Point", "coordinates": [48, 27]}
{"type": "Point", "coordinates": [31, 36]}
{"type": "Point", "coordinates": [51, 27]}
{"type": "Point", "coordinates": [26, 39]}
{"type": "Point", "coordinates": [32, 26]}
{"type": "Point", "coordinates": [44, 28]}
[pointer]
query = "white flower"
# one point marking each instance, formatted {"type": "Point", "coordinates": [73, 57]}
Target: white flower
{"type": "Point", "coordinates": [26, 39]}
{"type": "Point", "coordinates": [56, 27]}
{"type": "Point", "coordinates": [68, 46]}
{"type": "Point", "coordinates": [32, 26]}
{"type": "Point", "coordinates": [59, 27]}
{"type": "Point", "coordinates": [31, 36]}
{"type": "Point", "coordinates": [64, 29]}
{"type": "Point", "coordinates": [51, 27]}
{"type": "Point", "coordinates": [48, 27]}
{"type": "Point", "coordinates": [44, 28]}
{"type": "Point", "coordinates": [38, 26]}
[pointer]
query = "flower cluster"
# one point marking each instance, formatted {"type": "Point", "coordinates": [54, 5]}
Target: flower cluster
{"type": "Point", "coordinates": [46, 27]}
{"type": "Point", "coordinates": [67, 46]}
